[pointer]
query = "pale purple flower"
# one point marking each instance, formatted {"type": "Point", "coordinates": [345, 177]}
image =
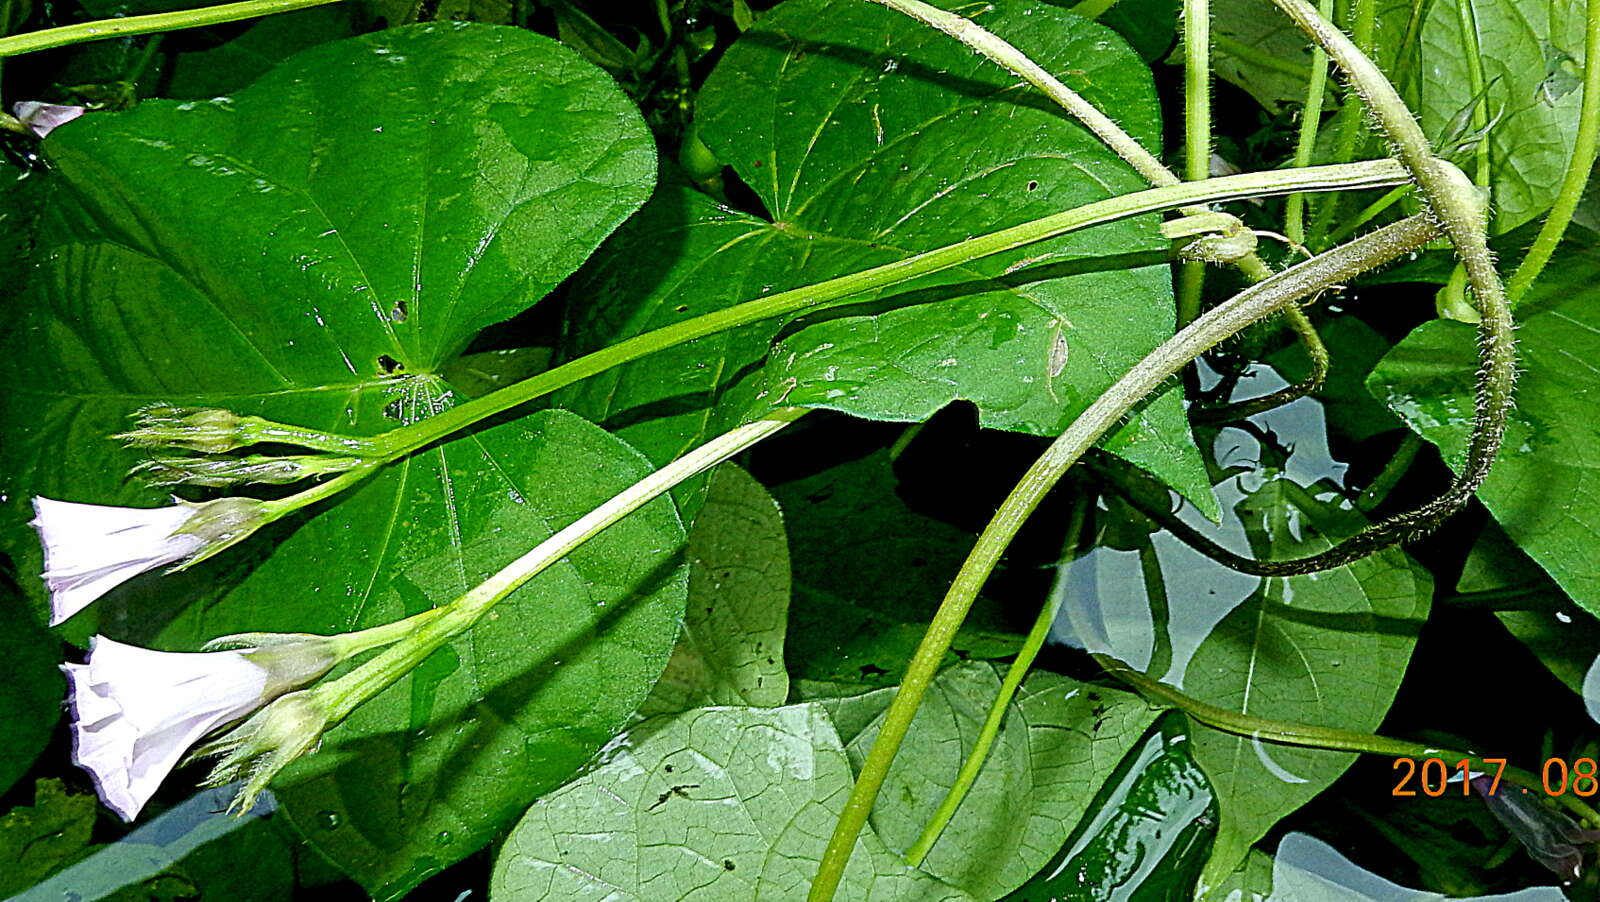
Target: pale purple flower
{"type": "Point", "coordinates": [90, 549]}
{"type": "Point", "coordinates": [135, 712]}
{"type": "Point", "coordinates": [43, 118]}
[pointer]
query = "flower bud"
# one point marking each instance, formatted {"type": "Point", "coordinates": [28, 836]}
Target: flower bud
{"type": "Point", "coordinates": [209, 430]}
{"type": "Point", "coordinates": [43, 118]}
{"type": "Point", "coordinates": [221, 472]}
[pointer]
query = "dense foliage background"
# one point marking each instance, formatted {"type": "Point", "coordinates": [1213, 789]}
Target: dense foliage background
{"type": "Point", "coordinates": [355, 216]}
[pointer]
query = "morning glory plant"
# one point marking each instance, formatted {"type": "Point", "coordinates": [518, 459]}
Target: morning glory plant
{"type": "Point", "coordinates": [916, 225]}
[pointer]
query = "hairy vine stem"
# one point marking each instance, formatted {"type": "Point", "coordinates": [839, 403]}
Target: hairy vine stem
{"type": "Point", "coordinates": [1251, 305]}
{"type": "Point", "coordinates": [1460, 212]}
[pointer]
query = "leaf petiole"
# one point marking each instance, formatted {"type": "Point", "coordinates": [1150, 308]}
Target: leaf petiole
{"type": "Point", "coordinates": [100, 29]}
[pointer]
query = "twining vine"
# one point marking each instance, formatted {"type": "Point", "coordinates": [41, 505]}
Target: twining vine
{"type": "Point", "coordinates": [1453, 206]}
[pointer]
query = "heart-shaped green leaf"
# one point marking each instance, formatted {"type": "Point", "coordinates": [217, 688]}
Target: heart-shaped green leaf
{"type": "Point", "coordinates": [314, 249]}
{"type": "Point", "coordinates": [869, 137]}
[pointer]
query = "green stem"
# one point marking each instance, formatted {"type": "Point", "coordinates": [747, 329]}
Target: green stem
{"type": "Point", "coordinates": [1191, 284]}
{"type": "Point", "coordinates": [287, 505]}
{"type": "Point", "coordinates": [1196, 89]}
{"type": "Point", "coordinates": [1258, 301]}
{"type": "Point", "coordinates": [1533, 595]}
{"type": "Point", "coordinates": [1461, 213]}
{"type": "Point", "coordinates": [352, 644]}
{"type": "Point", "coordinates": [1365, 15]}
{"type": "Point", "coordinates": [1031, 646]}
{"type": "Point", "coordinates": [904, 440]}
{"type": "Point", "coordinates": [146, 54]}
{"type": "Point", "coordinates": [131, 25]}
{"type": "Point", "coordinates": [1384, 483]}
{"type": "Point", "coordinates": [1578, 167]}
{"type": "Point", "coordinates": [1196, 137]}
{"type": "Point", "coordinates": [1389, 199]}
{"type": "Point", "coordinates": [1316, 351]}
{"type": "Point", "coordinates": [1308, 736]}
{"type": "Point", "coordinates": [398, 442]}
{"type": "Point", "coordinates": [341, 696]}
{"type": "Point", "coordinates": [1294, 224]}
{"type": "Point", "coordinates": [1472, 54]}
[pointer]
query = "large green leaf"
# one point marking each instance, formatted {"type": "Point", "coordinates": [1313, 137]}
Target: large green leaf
{"type": "Point", "coordinates": [705, 806]}
{"type": "Point", "coordinates": [1545, 488]}
{"type": "Point", "coordinates": [1563, 636]}
{"type": "Point", "coordinates": [1060, 741]}
{"type": "Point", "coordinates": [1262, 52]}
{"type": "Point", "coordinates": [314, 249]}
{"type": "Point", "coordinates": [1531, 53]}
{"type": "Point", "coordinates": [1327, 648]}
{"type": "Point", "coordinates": [869, 573]}
{"type": "Point", "coordinates": [868, 137]}
{"type": "Point", "coordinates": [39, 839]}
{"type": "Point", "coordinates": [731, 649]}
{"type": "Point", "coordinates": [236, 62]}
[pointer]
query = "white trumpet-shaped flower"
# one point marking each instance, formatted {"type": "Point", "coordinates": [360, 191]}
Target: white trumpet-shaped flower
{"type": "Point", "coordinates": [90, 549]}
{"type": "Point", "coordinates": [136, 712]}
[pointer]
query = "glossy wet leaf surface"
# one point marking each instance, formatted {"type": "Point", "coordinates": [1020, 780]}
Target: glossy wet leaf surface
{"type": "Point", "coordinates": [314, 249]}
{"type": "Point", "coordinates": [1327, 648]}
{"type": "Point", "coordinates": [868, 137]}
{"type": "Point", "coordinates": [1146, 836]}
{"type": "Point", "coordinates": [1545, 489]}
